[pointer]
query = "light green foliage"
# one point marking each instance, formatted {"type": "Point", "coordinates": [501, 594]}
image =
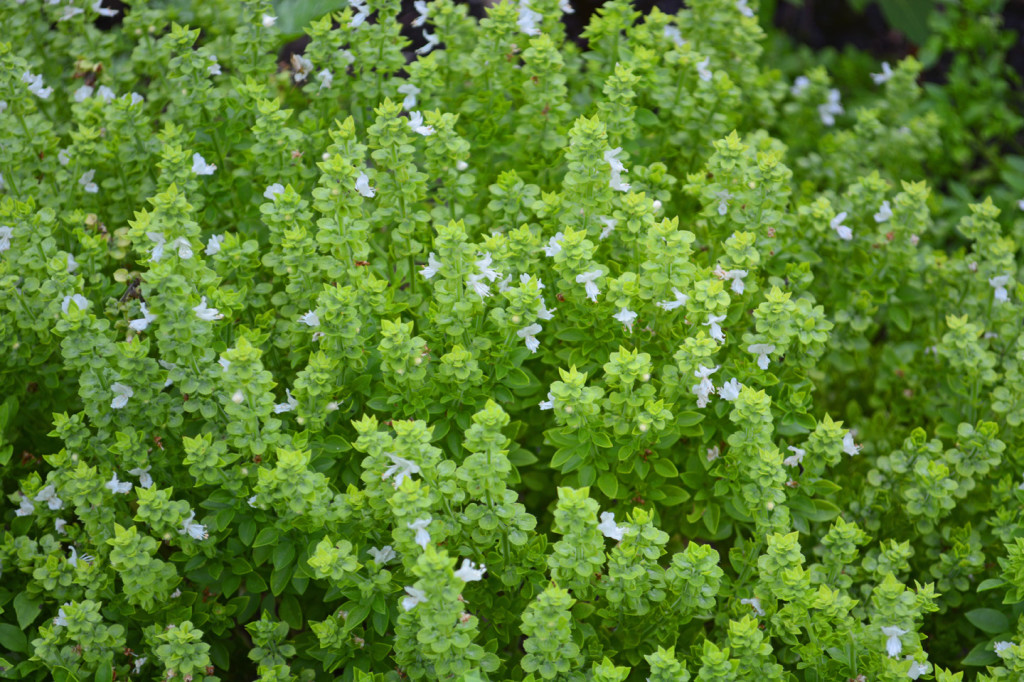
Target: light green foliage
{"type": "Point", "coordinates": [673, 353]}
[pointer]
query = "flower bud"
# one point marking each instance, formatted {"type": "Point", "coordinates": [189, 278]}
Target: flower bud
{"type": "Point", "coordinates": [237, 397]}
{"type": "Point", "coordinates": [461, 165]}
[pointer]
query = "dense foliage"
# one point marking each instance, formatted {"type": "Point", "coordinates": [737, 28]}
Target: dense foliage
{"type": "Point", "coordinates": [685, 355]}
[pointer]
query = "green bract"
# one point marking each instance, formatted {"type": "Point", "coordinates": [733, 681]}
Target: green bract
{"type": "Point", "coordinates": [456, 349]}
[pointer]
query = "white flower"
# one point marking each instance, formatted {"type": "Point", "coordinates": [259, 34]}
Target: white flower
{"type": "Point", "coordinates": [714, 453]}
{"type": "Point", "coordinates": [213, 69]}
{"type": "Point", "coordinates": [416, 123]}
{"type": "Point", "coordinates": [673, 34]}
{"type": "Point", "coordinates": [301, 66]}
{"type": "Point", "coordinates": [999, 285]}
{"type": "Point", "coordinates": [118, 487]}
{"type": "Point", "coordinates": [64, 157]}
{"type": "Point", "coordinates": [86, 181]}
{"type": "Point", "coordinates": [415, 597]}
{"type": "Point", "coordinates": [565, 7]}
{"type": "Point", "coordinates": [73, 559]}
{"type": "Point", "coordinates": [383, 555]}
{"type": "Point", "coordinates": [528, 334]}
{"type": "Point", "coordinates": [121, 395]}
{"type": "Point", "coordinates": [884, 212]}
{"type": "Point", "coordinates": [420, 526]}
{"type": "Point", "coordinates": [176, 593]}
{"type": "Point", "coordinates": [470, 572]}
{"type": "Point", "coordinates": [421, 18]}
{"type": "Point", "coordinates": [401, 468]}
{"type": "Point", "coordinates": [730, 390]}
{"type": "Point", "coordinates": [106, 94]}
{"type": "Point", "coordinates": [679, 301]}
{"type": "Point", "coordinates": [705, 388]}
{"type": "Point", "coordinates": [796, 458]}
{"type": "Point", "coordinates": [543, 313]}
{"type": "Point", "coordinates": [432, 266]}
{"type": "Point", "coordinates": [268, 20]}
{"type": "Point", "coordinates": [145, 480]}
{"type": "Point", "coordinates": [361, 15]}
{"type": "Point", "coordinates": [83, 93]}
{"type": "Point", "coordinates": [917, 669]}
{"type": "Point", "coordinates": [723, 201]}
{"type": "Point", "coordinates": [703, 71]}
{"type": "Point", "coordinates": [529, 20]}
{"type": "Point", "coordinates": [589, 286]}
{"type": "Point", "coordinates": [363, 186]}
{"type": "Point", "coordinates": [741, 5]}
{"type": "Point", "coordinates": [224, 363]}
{"type": "Point", "coordinates": [626, 317]}
{"type": "Point", "coordinates": [1000, 647]}
{"type": "Point", "coordinates": [288, 405]}
{"type": "Point", "coordinates": [736, 276]}
{"type": "Point", "coordinates": [609, 226]}
{"type": "Point", "coordinates": [554, 245]}
{"type": "Point", "coordinates": [893, 645]}
{"type": "Point", "coordinates": [310, 319]}
{"type": "Point", "coordinates": [72, 263]}
{"type": "Point", "coordinates": [762, 350]}
{"type": "Point", "coordinates": [58, 525]}
{"type": "Point", "coordinates": [184, 247]}
{"type": "Point", "coordinates": [755, 604]}
{"type": "Point", "coordinates": [608, 527]}
{"type": "Point", "coordinates": [61, 618]}
{"type": "Point", "coordinates": [715, 331]}
{"type": "Point", "coordinates": [831, 108]}
{"type": "Point", "coordinates": [800, 84]}
{"type": "Point", "coordinates": [35, 84]}
{"type": "Point", "coordinates": [25, 508]}
{"type": "Point", "coordinates": [484, 266]}
{"type": "Point", "coordinates": [549, 404]}
{"type": "Point", "coordinates": [213, 244]}
{"type": "Point", "coordinates": [842, 230]}
{"type": "Point", "coordinates": [159, 242]}
{"type": "Point", "coordinates": [6, 232]}
{"type": "Point", "coordinates": [611, 157]}
{"type": "Point", "coordinates": [205, 313]}
{"type": "Point", "coordinates": [135, 98]}
{"type": "Point", "coordinates": [461, 165]}
{"type": "Point", "coordinates": [81, 301]}
{"type": "Point", "coordinates": [1020, 204]}
{"type": "Point", "coordinates": [880, 78]}
{"type": "Point", "coordinates": [273, 191]}
{"type": "Point", "coordinates": [481, 289]}
{"type": "Point", "coordinates": [326, 78]}
{"type": "Point", "coordinates": [195, 530]}
{"type": "Point", "coordinates": [431, 43]}
{"type": "Point", "coordinates": [139, 662]}
{"type": "Point", "coordinates": [49, 496]}
{"type": "Point", "coordinates": [849, 447]}
{"type": "Point", "coordinates": [3, 105]}
{"type": "Point", "coordinates": [408, 89]}
{"type": "Point", "coordinates": [251, 501]}
{"type": "Point", "coordinates": [200, 167]}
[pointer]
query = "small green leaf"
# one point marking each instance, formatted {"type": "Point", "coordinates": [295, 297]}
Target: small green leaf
{"type": "Point", "coordinates": [685, 419]}
{"type": "Point", "coordinates": [12, 638]}
{"type": "Point", "coordinates": [267, 536]}
{"type": "Point", "coordinates": [608, 484]}
{"type": "Point", "coordinates": [981, 655]}
{"type": "Point", "coordinates": [27, 609]}
{"type": "Point", "coordinates": [290, 612]}
{"type": "Point", "coordinates": [988, 620]}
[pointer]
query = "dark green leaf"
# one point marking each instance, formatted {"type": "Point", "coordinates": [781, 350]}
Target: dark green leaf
{"type": "Point", "coordinates": [988, 620]}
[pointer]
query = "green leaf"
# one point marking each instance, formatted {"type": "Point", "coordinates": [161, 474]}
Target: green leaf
{"type": "Point", "coordinates": [12, 638]}
{"type": "Point", "coordinates": [910, 17]}
{"type": "Point", "coordinates": [900, 316]}
{"type": "Point", "coordinates": [990, 584]}
{"type": "Point", "coordinates": [283, 554]}
{"type": "Point", "coordinates": [517, 379]}
{"type": "Point", "coordinates": [295, 15]}
{"type": "Point", "coordinates": [673, 495]}
{"type": "Point", "coordinates": [988, 620]}
{"type": "Point", "coordinates": [279, 580]}
{"type": "Point", "coordinates": [267, 536]}
{"type": "Point", "coordinates": [666, 468]}
{"type": "Point", "coordinates": [290, 612]}
{"type": "Point", "coordinates": [608, 484]}
{"type": "Point", "coordinates": [573, 335]}
{"type": "Point", "coordinates": [980, 655]}
{"type": "Point", "coordinates": [712, 516]}
{"type": "Point", "coordinates": [684, 419]}
{"type": "Point", "coordinates": [27, 609]}
{"type": "Point", "coordinates": [814, 510]}
{"type": "Point", "coordinates": [600, 439]}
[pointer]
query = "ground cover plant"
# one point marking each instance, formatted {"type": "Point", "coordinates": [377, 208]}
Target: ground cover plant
{"type": "Point", "coordinates": [450, 348]}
